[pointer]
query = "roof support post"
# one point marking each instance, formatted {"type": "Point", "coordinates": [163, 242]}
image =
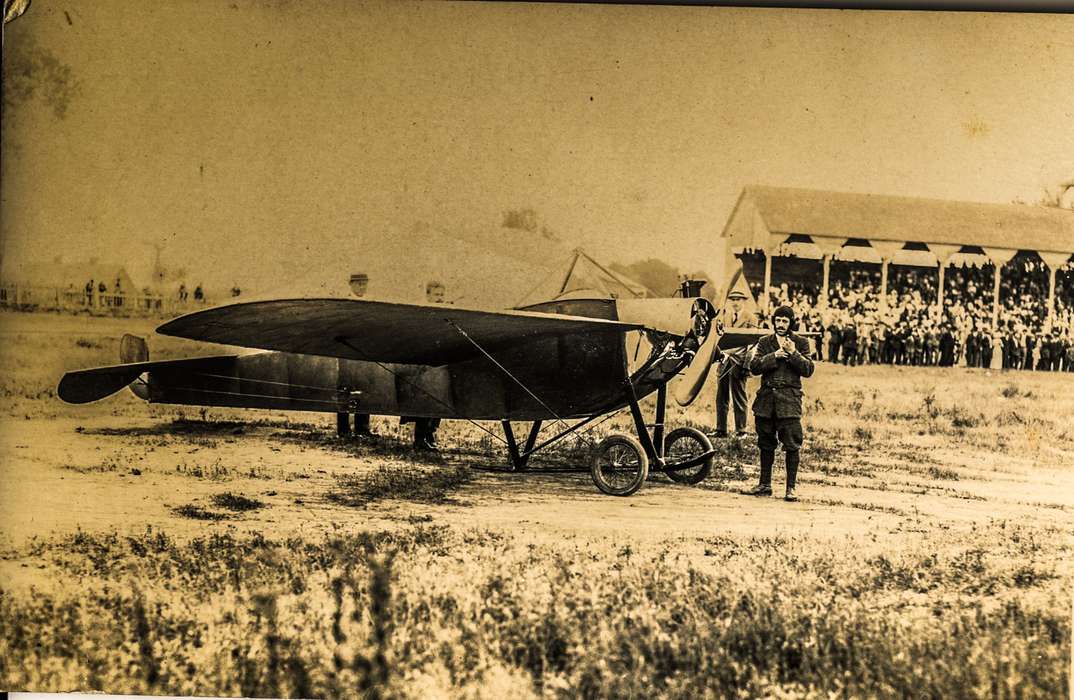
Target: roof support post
{"type": "Point", "coordinates": [829, 246]}
{"type": "Point", "coordinates": [884, 262]}
{"type": "Point", "coordinates": [1054, 261]}
{"type": "Point", "coordinates": [943, 253]}
{"type": "Point", "coordinates": [1051, 295]}
{"type": "Point", "coordinates": [887, 250]}
{"type": "Point", "coordinates": [995, 299]}
{"type": "Point", "coordinates": [999, 257]}
{"type": "Point", "coordinates": [827, 261]}
{"type": "Point", "coordinates": [939, 294]}
{"type": "Point", "coordinates": [766, 306]}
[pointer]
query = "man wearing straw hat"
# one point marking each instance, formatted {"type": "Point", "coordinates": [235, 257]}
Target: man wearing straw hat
{"type": "Point", "coordinates": [733, 369]}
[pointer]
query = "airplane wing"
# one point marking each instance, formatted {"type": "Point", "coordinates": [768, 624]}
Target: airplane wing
{"type": "Point", "coordinates": [359, 329]}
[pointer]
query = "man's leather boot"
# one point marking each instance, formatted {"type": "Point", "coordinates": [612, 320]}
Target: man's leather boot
{"type": "Point", "coordinates": [768, 457]}
{"type": "Point", "coordinates": [792, 476]}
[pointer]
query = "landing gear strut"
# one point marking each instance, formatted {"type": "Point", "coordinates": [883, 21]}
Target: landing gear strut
{"type": "Point", "coordinates": [622, 462]}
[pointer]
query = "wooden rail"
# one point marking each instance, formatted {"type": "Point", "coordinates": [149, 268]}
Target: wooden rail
{"type": "Point", "coordinates": [44, 298]}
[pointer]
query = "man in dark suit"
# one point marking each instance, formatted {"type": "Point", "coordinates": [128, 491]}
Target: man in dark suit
{"type": "Point", "coordinates": [782, 359]}
{"type": "Point", "coordinates": [972, 348]}
{"type": "Point", "coordinates": [835, 340]}
{"type": "Point", "coordinates": [425, 428]}
{"type": "Point", "coordinates": [1058, 350]}
{"type": "Point", "coordinates": [947, 346]}
{"type": "Point", "coordinates": [849, 350]}
{"type": "Point", "coordinates": [733, 370]}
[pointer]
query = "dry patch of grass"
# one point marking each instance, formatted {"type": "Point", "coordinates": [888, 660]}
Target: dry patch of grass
{"type": "Point", "coordinates": [216, 470]}
{"type": "Point", "coordinates": [874, 507]}
{"type": "Point", "coordinates": [236, 503]}
{"type": "Point", "coordinates": [228, 506]}
{"type": "Point", "coordinates": [942, 473]}
{"type": "Point", "coordinates": [401, 482]}
{"type": "Point", "coordinates": [428, 612]}
{"type": "Point", "coordinates": [196, 512]}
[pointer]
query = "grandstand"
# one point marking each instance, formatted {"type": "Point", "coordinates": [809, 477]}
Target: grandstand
{"type": "Point", "coordinates": [885, 278]}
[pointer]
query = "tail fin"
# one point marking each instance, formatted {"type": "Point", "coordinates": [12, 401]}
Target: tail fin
{"type": "Point", "coordinates": [88, 385]}
{"type": "Point", "coordinates": [83, 386]}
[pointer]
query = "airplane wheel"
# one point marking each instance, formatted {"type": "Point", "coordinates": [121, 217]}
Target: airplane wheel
{"type": "Point", "coordinates": [620, 465]}
{"type": "Point", "coordinates": [682, 444]}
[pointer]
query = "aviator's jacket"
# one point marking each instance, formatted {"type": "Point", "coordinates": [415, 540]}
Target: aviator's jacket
{"type": "Point", "coordinates": [780, 395]}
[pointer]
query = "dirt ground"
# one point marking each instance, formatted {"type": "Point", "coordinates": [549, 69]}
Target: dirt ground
{"type": "Point", "coordinates": [123, 465]}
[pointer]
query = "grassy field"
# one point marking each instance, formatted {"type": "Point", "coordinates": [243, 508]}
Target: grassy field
{"type": "Point", "coordinates": [258, 555]}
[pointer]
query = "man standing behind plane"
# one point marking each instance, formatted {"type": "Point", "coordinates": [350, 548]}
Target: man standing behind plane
{"type": "Point", "coordinates": [733, 370]}
{"type": "Point", "coordinates": [782, 359]}
{"type": "Point", "coordinates": [425, 428]}
{"type": "Point", "coordinates": [359, 284]}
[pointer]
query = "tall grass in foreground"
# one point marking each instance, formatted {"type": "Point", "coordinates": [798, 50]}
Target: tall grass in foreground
{"type": "Point", "coordinates": [430, 613]}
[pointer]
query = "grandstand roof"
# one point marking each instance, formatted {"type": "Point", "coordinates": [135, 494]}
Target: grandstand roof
{"type": "Point", "coordinates": [764, 216]}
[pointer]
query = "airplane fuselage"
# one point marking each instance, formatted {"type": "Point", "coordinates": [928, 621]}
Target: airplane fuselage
{"type": "Point", "coordinates": [563, 376]}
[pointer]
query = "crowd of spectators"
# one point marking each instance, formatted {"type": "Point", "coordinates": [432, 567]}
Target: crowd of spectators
{"type": "Point", "coordinates": [857, 327]}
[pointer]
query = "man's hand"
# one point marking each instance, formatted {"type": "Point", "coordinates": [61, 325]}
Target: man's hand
{"type": "Point", "coordinates": [780, 354]}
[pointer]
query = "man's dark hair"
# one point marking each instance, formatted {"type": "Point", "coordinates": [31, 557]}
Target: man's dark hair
{"type": "Point", "coordinates": [788, 312]}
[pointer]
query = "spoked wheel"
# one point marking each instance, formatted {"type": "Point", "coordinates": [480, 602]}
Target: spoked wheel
{"type": "Point", "coordinates": [683, 444]}
{"type": "Point", "coordinates": [620, 465]}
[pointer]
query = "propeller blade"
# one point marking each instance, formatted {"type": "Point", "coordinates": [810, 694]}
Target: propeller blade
{"type": "Point", "coordinates": [689, 386]}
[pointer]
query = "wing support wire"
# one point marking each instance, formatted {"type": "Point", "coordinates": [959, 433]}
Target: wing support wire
{"type": "Point", "coordinates": [519, 458]}
{"type": "Point", "coordinates": [345, 341]}
{"type": "Point", "coordinates": [506, 371]}
{"type": "Point", "coordinates": [326, 403]}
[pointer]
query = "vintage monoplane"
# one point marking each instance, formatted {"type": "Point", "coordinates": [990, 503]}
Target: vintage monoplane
{"type": "Point", "coordinates": [564, 360]}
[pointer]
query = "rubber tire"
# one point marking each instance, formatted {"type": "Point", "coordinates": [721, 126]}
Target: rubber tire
{"type": "Point", "coordinates": [619, 440]}
{"type": "Point", "coordinates": [689, 476]}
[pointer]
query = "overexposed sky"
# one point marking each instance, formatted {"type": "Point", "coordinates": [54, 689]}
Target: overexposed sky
{"type": "Point", "coordinates": [260, 134]}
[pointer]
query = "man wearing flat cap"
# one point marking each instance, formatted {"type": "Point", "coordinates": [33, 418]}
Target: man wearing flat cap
{"type": "Point", "coordinates": [733, 369]}
{"type": "Point", "coordinates": [782, 359]}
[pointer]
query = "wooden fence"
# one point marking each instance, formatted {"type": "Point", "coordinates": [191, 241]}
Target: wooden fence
{"type": "Point", "coordinates": [39, 298]}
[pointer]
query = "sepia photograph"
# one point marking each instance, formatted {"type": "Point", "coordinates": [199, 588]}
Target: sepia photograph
{"type": "Point", "coordinates": [433, 349]}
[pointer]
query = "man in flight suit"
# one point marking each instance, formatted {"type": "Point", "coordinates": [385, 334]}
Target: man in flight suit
{"type": "Point", "coordinates": [782, 359]}
{"type": "Point", "coordinates": [733, 371]}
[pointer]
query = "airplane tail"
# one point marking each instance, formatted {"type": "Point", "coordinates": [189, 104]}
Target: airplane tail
{"type": "Point", "coordinates": [87, 385]}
